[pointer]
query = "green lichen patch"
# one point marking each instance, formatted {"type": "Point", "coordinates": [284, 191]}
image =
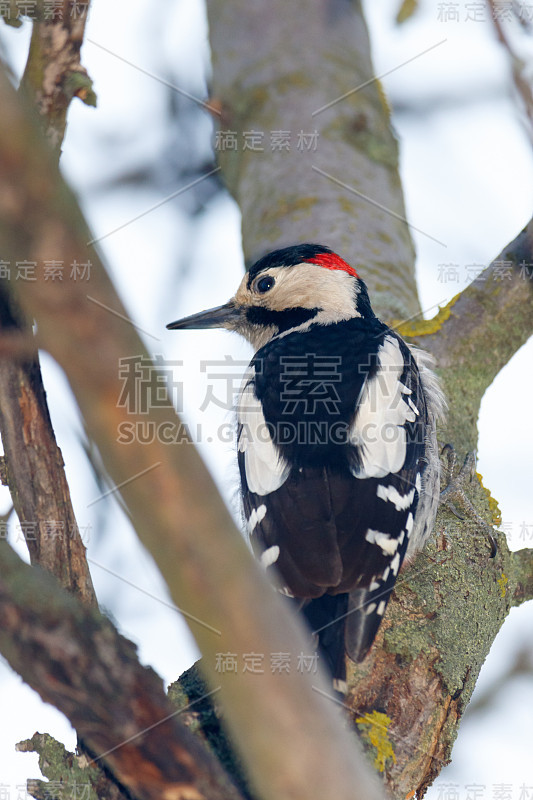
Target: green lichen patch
{"type": "Point", "coordinates": [78, 84]}
{"type": "Point", "coordinates": [69, 775]}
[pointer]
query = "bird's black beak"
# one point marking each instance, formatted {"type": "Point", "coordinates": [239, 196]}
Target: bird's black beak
{"type": "Point", "coordinates": [226, 316]}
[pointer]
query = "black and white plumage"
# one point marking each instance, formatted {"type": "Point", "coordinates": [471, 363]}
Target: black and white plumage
{"type": "Point", "coordinates": [336, 441]}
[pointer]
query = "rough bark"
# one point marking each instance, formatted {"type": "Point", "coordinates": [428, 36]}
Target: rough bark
{"type": "Point", "coordinates": [69, 773]}
{"type": "Point", "coordinates": [75, 659]}
{"type": "Point", "coordinates": [54, 74]}
{"type": "Point", "coordinates": [34, 469]}
{"type": "Point", "coordinates": [521, 570]}
{"type": "Point", "coordinates": [33, 462]}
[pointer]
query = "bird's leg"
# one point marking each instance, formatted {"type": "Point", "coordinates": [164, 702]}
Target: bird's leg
{"type": "Point", "coordinates": [455, 491]}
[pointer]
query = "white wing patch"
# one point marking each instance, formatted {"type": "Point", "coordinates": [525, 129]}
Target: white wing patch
{"type": "Point", "coordinates": [257, 515]}
{"type": "Point", "coordinates": [265, 469]}
{"type": "Point", "coordinates": [392, 495]}
{"type": "Point", "coordinates": [383, 410]}
{"type": "Point", "coordinates": [413, 407]}
{"type": "Point", "coordinates": [285, 590]}
{"type": "Point", "coordinates": [270, 556]}
{"type": "Point", "coordinates": [388, 544]}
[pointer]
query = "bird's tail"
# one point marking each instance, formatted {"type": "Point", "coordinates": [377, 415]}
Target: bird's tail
{"type": "Point", "coordinates": [326, 617]}
{"type": "Point", "coordinates": [345, 624]}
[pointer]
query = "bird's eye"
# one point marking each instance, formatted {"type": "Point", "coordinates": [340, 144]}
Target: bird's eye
{"type": "Point", "coordinates": [264, 284]}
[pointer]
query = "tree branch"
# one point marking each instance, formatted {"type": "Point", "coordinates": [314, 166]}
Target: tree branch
{"type": "Point", "coordinates": [34, 465]}
{"type": "Point", "coordinates": [521, 575]}
{"type": "Point", "coordinates": [424, 666]}
{"type": "Point", "coordinates": [54, 74]}
{"type": "Point", "coordinates": [172, 500]}
{"type": "Point", "coordinates": [75, 659]}
{"type": "Point", "coordinates": [307, 70]}
{"type": "Point", "coordinates": [477, 333]}
{"type": "Point", "coordinates": [34, 468]}
{"type": "Point", "coordinates": [408, 696]}
{"type": "Point", "coordinates": [518, 65]}
{"type": "Point", "coordinates": [69, 773]}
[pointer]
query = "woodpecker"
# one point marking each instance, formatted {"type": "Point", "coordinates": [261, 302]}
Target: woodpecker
{"type": "Point", "coordinates": [336, 441]}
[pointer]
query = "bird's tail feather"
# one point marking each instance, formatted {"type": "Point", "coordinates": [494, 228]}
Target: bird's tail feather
{"type": "Point", "coordinates": [326, 617]}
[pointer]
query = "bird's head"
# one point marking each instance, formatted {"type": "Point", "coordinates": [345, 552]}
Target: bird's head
{"type": "Point", "coordinates": [288, 289]}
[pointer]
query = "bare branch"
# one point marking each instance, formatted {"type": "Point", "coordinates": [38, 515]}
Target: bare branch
{"type": "Point", "coordinates": [75, 659]}
{"type": "Point", "coordinates": [477, 333]}
{"type": "Point", "coordinates": [54, 74]}
{"type": "Point", "coordinates": [34, 465]}
{"type": "Point", "coordinates": [522, 576]}
{"type": "Point", "coordinates": [34, 468]}
{"type": "Point", "coordinates": [16, 344]}
{"type": "Point", "coordinates": [518, 66]}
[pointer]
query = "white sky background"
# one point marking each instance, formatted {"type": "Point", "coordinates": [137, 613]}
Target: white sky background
{"type": "Point", "coordinates": [467, 168]}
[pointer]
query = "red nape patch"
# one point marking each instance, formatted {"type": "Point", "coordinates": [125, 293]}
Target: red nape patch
{"type": "Point", "coordinates": [332, 261]}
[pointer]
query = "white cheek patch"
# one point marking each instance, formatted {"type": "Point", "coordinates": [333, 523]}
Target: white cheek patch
{"type": "Point", "coordinates": [388, 544]}
{"type": "Point", "coordinates": [265, 469]}
{"type": "Point", "coordinates": [382, 412]}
